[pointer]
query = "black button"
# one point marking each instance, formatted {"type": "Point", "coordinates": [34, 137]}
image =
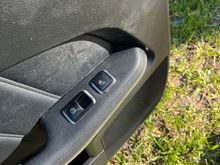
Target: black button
{"type": "Point", "coordinates": [78, 106]}
{"type": "Point", "coordinates": [102, 81]}
{"type": "Point", "coordinates": [74, 112]}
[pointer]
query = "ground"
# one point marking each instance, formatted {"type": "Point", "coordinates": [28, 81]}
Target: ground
{"type": "Point", "coordinates": [185, 126]}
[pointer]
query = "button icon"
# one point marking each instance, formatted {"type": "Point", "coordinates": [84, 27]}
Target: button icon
{"type": "Point", "coordinates": [73, 110]}
{"type": "Point", "coordinates": [101, 82]}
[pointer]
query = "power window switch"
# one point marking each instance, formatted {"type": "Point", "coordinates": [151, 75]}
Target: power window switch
{"type": "Point", "coordinates": [102, 82]}
{"type": "Point", "coordinates": [73, 113]}
{"type": "Point", "coordinates": [78, 106]}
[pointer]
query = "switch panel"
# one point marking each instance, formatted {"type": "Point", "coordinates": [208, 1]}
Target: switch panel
{"type": "Point", "coordinates": [81, 103]}
{"type": "Point", "coordinates": [102, 82]}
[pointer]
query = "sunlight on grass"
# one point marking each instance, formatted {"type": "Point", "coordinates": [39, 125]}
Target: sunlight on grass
{"type": "Point", "coordinates": [185, 126]}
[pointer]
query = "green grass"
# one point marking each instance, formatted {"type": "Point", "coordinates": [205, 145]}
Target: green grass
{"type": "Point", "coordinates": [185, 126]}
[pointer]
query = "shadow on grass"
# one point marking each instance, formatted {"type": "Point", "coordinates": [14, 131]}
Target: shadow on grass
{"type": "Point", "coordinates": [211, 154]}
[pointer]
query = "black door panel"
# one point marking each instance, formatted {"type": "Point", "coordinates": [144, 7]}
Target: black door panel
{"type": "Point", "coordinates": [63, 135]}
{"type": "Point", "coordinates": [30, 27]}
{"type": "Point", "coordinates": [24, 103]}
{"type": "Point", "coordinates": [58, 70]}
{"type": "Point", "coordinates": [8, 144]}
{"type": "Point", "coordinates": [29, 89]}
{"type": "Point", "coordinates": [49, 53]}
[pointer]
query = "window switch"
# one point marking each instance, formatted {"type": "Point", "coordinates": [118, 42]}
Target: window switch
{"type": "Point", "coordinates": [102, 81]}
{"type": "Point", "coordinates": [73, 113]}
{"type": "Point", "coordinates": [78, 106]}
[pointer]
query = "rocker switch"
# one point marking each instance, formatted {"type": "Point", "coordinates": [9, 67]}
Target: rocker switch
{"type": "Point", "coordinates": [102, 81]}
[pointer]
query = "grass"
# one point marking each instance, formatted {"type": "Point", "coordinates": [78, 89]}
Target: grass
{"type": "Point", "coordinates": [185, 126]}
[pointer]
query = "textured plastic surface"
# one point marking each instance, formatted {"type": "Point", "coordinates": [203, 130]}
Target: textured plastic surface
{"type": "Point", "coordinates": [65, 140]}
{"type": "Point", "coordinates": [59, 69]}
{"type": "Point", "coordinates": [131, 116]}
{"type": "Point", "coordinates": [45, 76]}
{"type": "Point", "coordinates": [136, 111]}
{"type": "Point", "coordinates": [30, 144]}
{"type": "Point", "coordinates": [21, 106]}
{"type": "Point", "coordinates": [30, 27]}
{"type": "Point", "coordinates": [8, 143]}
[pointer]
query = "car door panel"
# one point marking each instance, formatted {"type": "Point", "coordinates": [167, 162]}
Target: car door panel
{"type": "Point", "coordinates": [31, 27]}
{"type": "Point", "coordinates": [58, 70]}
{"type": "Point", "coordinates": [49, 53]}
{"type": "Point", "coordinates": [127, 77]}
